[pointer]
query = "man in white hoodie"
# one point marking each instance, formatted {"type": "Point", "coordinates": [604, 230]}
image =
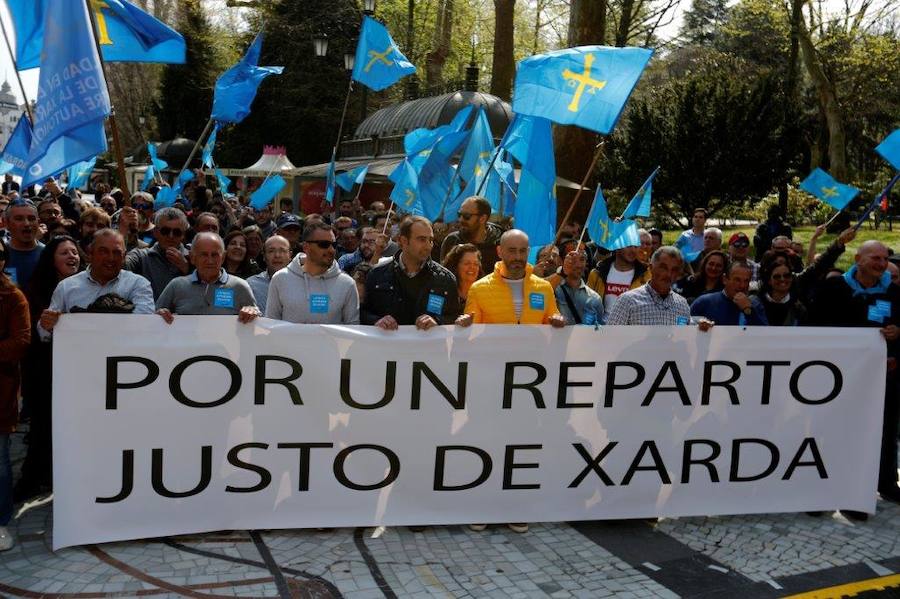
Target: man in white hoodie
{"type": "Point", "coordinates": [315, 291]}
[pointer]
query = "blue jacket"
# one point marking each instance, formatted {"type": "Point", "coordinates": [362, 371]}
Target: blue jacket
{"type": "Point", "coordinates": [721, 310]}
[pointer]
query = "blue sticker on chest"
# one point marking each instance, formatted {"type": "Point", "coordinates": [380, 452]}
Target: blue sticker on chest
{"type": "Point", "coordinates": [883, 307]}
{"type": "Point", "coordinates": [224, 298]}
{"type": "Point", "coordinates": [435, 304]}
{"type": "Point", "coordinates": [875, 315]}
{"type": "Point", "coordinates": [536, 301]}
{"type": "Point", "coordinates": [318, 303]}
{"type": "Point", "coordinates": [682, 320]}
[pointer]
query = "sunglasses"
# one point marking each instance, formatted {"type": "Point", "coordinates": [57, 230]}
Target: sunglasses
{"type": "Point", "coordinates": [741, 244]}
{"type": "Point", "coordinates": [323, 244]}
{"type": "Point", "coordinates": [464, 215]}
{"type": "Point", "coordinates": [784, 277]}
{"type": "Point", "coordinates": [142, 206]}
{"type": "Point", "coordinates": [170, 232]}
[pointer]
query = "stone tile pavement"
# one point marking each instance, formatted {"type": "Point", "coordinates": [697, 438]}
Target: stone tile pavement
{"type": "Point", "coordinates": [768, 555]}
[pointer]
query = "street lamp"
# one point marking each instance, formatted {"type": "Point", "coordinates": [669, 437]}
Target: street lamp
{"type": "Point", "coordinates": [349, 61]}
{"type": "Point", "coordinates": [142, 120]}
{"type": "Point", "coordinates": [369, 7]}
{"type": "Point", "coordinates": [320, 44]}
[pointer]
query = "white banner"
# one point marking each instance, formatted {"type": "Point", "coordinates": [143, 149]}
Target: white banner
{"type": "Point", "coordinates": [208, 424]}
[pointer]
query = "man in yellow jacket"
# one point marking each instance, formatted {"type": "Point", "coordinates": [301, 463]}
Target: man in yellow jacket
{"type": "Point", "coordinates": [512, 294]}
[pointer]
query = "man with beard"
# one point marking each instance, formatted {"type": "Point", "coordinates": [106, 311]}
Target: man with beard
{"type": "Point", "coordinates": [474, 228]}
{"type": "Point", "coordinates": [314, 290]}
{"type": "Point", "coordinates": [371, 247]}
{"type": "Point", "coordinates": [411, 288]}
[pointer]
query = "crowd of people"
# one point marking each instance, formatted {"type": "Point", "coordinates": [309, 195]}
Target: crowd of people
{"type": "Point", "coordinates": [61, 253]}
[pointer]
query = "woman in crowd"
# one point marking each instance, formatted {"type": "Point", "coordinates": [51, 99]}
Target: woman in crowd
{"type": "Point", "coordinates": [237, 259]}
{"type": "Point", "coordinates": [255, 243]}
{"type": "Point", "coordinates": [464, 261]}
{"type": "Point", "coordinates": [782, 307]}
{"type": "Point", "coordinates": [708, 278]}
{"type": "Point", "coordinates": [59, 259]}
{"type": "Point", "coordinates": [15, 336]}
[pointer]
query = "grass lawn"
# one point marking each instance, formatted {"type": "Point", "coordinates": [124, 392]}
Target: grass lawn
{"type": "Point", "coordinates": [803, 234]}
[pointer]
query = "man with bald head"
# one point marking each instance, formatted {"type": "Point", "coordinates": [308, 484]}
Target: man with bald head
{"type": "Point", "coordinates": [865, 297]}
{"type": "Point", "coordinates": [512, 294]}
{"type": "Point", "coordinates": [277, 251]}
{"type": "Point", "coordinates": [209, 289]}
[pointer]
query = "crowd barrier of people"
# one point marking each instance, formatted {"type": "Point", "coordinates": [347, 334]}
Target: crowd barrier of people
{"type": "Point", "coordinates": [212, 255]}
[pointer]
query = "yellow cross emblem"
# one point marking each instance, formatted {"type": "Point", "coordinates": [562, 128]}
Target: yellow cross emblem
{"type": "Point", "coordinates": [605, 226]}
{"type": "Point", "coordinates": [410, 197]}
{"type": "Point", "coordinates": [829, 192]}
{"type": "Point", "coordinates": [375, 56]}
{"type": "Point", "coordinates": [102, 31]}
{"type": "Point", "coordinates": [582, 81]}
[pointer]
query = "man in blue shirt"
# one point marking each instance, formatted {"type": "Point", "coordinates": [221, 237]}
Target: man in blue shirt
{"type": "Point", "coordinates": [24, 249]}
{"type": "Point", "coordinates": [732, 306]}
{"type": "Point", "coordinates": [690, 242]}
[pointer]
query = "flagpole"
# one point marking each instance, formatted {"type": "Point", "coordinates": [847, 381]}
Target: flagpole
{"type": "Point", "coordinates": [449, 191]}
{"type": "Point", "coordinates": [187, 163]}
{"type": "Point", "coordinates": [12, 57]}
{"type": "Point", "coordinates": [597, 153]}
{"type": "Point", "coordinates": [387, 217]}
{"type": "Point", "coordinates": [884, 193]}
{"type": "Point", "coordinates": [114, 128]}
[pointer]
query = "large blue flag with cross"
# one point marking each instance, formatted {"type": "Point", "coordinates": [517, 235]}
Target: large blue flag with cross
{"type": "Point", "coordinates": [586, 86]}
{"type": "Point", "coordinates": [379, 62]}
{"type": "Point", "coordinates": [125, 32]}
{"type": "Point", "coordinates": [826, 188]}
{"type": "Point", "coordinates": [72, 100]}
{"type": "Point", "coordinates": [607, 233]}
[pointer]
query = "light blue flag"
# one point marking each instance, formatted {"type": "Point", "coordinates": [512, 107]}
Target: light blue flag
{"type": "Point", "coordinates": [165, 198]}
{"type": "Point", "coordinates": [15, 154]}
{"type": "Point", "coordinates": [607, 233]}
{"type": "Point", "coordinates": [823, 186]}
{"type": "Point", "coordinates": [79, 174]}
{"type": "Point", "coordinates": [158, 163]}
{"type": "Point", "coordinates": [488, 182]}
{"type": "Point", "coordinates": [405, 194]}
{"type": "Point", "coordinates": [266, 192]}
{"type": "Point", "coordinates": [640, 203]}
{"type": "Point", "coordinates": [352, 177]}
{"type": "Point", "coordinates": [422, 139]}
{"type": "Point", "coordinates": [436, 175]}
{"type": "Point", "coordinates": [236, 88]}
{"type": "Point", "coordinates": [530, 141]}
{"type": "Point", "coordinates": [126, 33]}
{"type": "Point", "coordinates": [684, 246]}
{"type": "Point", "coordinates": [210, 147]}
{"type": "Point", "coordinates": [72, 100]}
{"type": "Point", "coordinates": [330, 181]}
{"type": "Point", "coordinates": [184, 177]}
{"type": "Point", "coordinates": [535, 209]}
{"type": "Point", "coordinates": [379, 62]}
{"type": "Point", "coordinates": [149, 176]}
{"type": "Point", "coordinates": [890, 149]}
{"type": "Point", "coordinates": [480, 147]}
{"type": "Point", "coordinates": [224, 182]}
{"type": "Point", "coordinates": [586, 86]}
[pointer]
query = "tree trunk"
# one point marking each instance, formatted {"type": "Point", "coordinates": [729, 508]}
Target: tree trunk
{"type": "Point", "coordinates": [791, 87]}
{"type": "Point", "coordinates": [625, 18]}
{"type": "Point", "coordinates": [574, 145]}
{"type": "Point", "coordinates": [443, 32]}
{"type": "Point", "coordinates": [828, 101]}
{"type": "Point", "coordinates": [504, 66]}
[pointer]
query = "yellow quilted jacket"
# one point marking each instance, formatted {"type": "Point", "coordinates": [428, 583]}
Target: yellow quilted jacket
{"type": "Point", "coordinates": [490, 299]}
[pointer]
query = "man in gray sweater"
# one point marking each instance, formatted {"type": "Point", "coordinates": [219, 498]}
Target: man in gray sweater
{"type": "Point", "coordinates": [209, 290]}
{"type": "Point", "coordinates": [316, 291]}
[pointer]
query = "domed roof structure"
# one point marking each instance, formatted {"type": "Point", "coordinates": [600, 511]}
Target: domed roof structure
{"type": "Point", "coordinates": [7, 99]}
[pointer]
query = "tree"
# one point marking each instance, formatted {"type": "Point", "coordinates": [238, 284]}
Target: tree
{"type": "Point", "coordinates": [702, 22]}
{"type": "Point", "coordinates": [186, 90]}
{"type": "Point", "coordinates": [443, 33]}
{"type": "Point", "coordinates": [716, 132]}
{"type": "Point", "coordinates": [504, 64]}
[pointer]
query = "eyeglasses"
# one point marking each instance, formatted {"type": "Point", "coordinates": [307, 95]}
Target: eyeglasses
{"type": "Point", "coordinates": [784, 277]}
{"type": "Point", "coordinates": [465, 215]}
{"type": "Point", "coordinates": [171, 232]}
{"type": "Point", "coordinates": [740, 244]}
{"type": "Point", "coordinates": [323, 244]}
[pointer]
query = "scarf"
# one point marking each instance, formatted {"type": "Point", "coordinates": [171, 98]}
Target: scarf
{"type": "Point", "coordinates": [880, 287]}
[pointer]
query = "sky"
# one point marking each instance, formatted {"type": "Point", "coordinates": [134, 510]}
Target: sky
{"type": "Point", "coordinates": [30, 77]}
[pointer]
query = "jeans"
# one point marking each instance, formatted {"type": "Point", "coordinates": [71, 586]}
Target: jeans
{"type": "Point", "coordinates": [6, 477]}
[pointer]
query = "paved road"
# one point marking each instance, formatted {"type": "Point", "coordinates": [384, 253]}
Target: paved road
{"type": "Point", "coordinates": [762, 556]}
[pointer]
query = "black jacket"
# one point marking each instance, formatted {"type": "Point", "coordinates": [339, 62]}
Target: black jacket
{"type": "Point", "coordinates": [390, 291]}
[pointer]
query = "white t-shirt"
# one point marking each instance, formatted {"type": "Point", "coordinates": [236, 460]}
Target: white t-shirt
{"type": "Point", "coordinates": [517, 287]}
{"type": "Point", "coordinates": [617, 283]}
